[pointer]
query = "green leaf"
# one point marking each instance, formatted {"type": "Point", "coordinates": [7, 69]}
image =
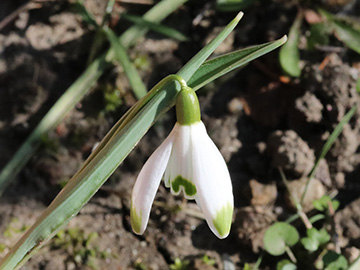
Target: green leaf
{"type": "Point", "coordinates": [322, 204]}
{"type": "Point", "coordinates": [218, 66]}
{"type": "Point", "coordinates": [346, 30]}
{"type": "Point", "coordinates": [157, 27]}
{"type": "Point", "coordinates": [319, 35]}
{"type": "Point", "coordinates": [358, 86]}
{"type": "Point", "coordinates": [289, 55]}
{"type": "Point", "coordinates": [278, 236]}
{"type": "Point", "coordinates": [155, 15]}
{"type": "Point", "coordinates": [189, 69]}
{"type": "Point", "coordinates": [133, 76]}
{"type": "Point", "coordinates": [233, 5]}
{"type": "Point", "coordinates": [77, 90]}
{"type": "Point", "coordinates": [87, 17]}
{"type": "Point", "coordinates": [316, 218]}
{"type": "Point", "coordinates": [334, 261]}
{"type": "Point", "coordinates": [285, 265]}
{"type": "Point", "coordinates": [314, 239]}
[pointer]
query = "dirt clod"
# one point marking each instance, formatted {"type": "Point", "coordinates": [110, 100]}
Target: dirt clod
{"type": "Point", "coordinates": [290, 152]}
{"type": "Point", "coordinates": [296, 187]}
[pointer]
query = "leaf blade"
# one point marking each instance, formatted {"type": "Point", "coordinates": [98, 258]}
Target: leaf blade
{"type": "Point", "coordinates": [133, 76]}
{"type": "Point", "coordinates": [216, 67]}
{"type": "Point", "coordinates": [157, 27]}
{"type": "Point", "coordinates": [289, 55]}
{"type": "Point", "coordinates": [190, 67]}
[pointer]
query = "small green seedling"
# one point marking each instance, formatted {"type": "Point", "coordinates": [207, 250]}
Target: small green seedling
{"type": "Point", "coordinates": [334, 261]}
{"type": "Point", "coordinates": [279, 237]}
{"type": "Point", "coordinates": [14, 228]}
{"type": "Point", "coordinates": [140, 266]}
{"type": "Point", "coordinates": [285, 265]}
{"type": "Point", "coordinates": [80, 246]}
{"type": "Point", "coordinates": [315, 238]}
{"type": "Point", "coordinates": [180, 265]}
{"type": "Point", "coordinates": [207, 260]}
{"type": "Point", "coordinates": [324, 202]}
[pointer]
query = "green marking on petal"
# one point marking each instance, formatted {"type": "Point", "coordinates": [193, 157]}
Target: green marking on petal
{"type": "Point", "coordinates": [135, 220]}
{"type": "Point", "coordinates": [223, 219]}
{"type": "Point", "coordinates": [189, 187]}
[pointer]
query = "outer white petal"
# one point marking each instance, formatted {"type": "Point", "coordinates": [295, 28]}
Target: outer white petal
{"type": "Point", "coordinates": [213, 183]}
{"type": "Point", "coordinates": [179, 172]}
{"type": "Point", "coordinates": [147, 183]}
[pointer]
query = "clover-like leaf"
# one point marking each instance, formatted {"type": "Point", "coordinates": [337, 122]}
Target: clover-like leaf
{"type": "Point", "coordinates": [278, 236]}
{"type": "Point", "coordinates": [285, 265]}
{"type": "Point", "coordinates": [334, 261]}
{"type": "Point", "coordinates": [322, 204]}
{"type": "Point", "coordinates": [314, 239]}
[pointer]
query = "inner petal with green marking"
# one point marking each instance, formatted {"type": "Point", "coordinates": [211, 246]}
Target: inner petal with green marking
{"type": "Point", "coordinates": [223, 219]}
{"type": "Point", "coordinates": [188, 187]}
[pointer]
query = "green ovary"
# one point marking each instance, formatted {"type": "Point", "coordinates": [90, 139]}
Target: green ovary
{"type": "Point", "coordinates": [223, 219]}
{"type": "Point", "coordinates": [187, 107]}
{"type": "Point", "coordinates": [135, 220]}
{"type": "Point", "coordinates": [189, 188]}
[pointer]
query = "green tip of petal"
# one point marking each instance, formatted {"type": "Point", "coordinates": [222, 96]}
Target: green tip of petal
{"type": "Point", "coordinates": [187, 107]}
{"type": "Point", "coordinates": [135, 220]}
{"type": "Point", "coordinates": [189, 187]}
{"type": "Point", "coordinates": [223, 219]}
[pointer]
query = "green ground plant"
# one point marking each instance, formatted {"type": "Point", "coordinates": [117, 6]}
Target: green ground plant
{"type": "Point", "coordinates": [314, 248]}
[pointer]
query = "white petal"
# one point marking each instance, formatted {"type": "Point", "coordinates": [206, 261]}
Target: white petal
{"type": "Point", "coordinates": [213, 183]}
{"type": "Point", "coordinates": [147, 183]}
{"type": "Point", "coordinates": [179, 172]}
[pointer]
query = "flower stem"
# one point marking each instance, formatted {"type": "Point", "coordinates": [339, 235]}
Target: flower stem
{"type": "Point", "coordinates": [290, 254]}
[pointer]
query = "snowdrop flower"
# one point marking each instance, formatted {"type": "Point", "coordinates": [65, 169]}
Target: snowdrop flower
{"type": "Point", "coordinates": [189, 162]}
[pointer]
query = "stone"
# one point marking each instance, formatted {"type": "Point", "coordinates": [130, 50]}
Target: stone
{"type": "Point", "coordinates": [262, 194]}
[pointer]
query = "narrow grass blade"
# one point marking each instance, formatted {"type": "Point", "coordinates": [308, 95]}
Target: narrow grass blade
{"type": "Point", "coordinates": [330, 141]}
{"type": "Point", "coordinates": [233, 5]}
{"type": "Point", "coordinates": [155, 15]}
{"type": "Point", "coordinates": [77, 90]}
{"type": "Point", "coordinates": [98, 168]}
{"type": "Point", "coordinates": [157, 27]}
{"type": "Point", "coordinates": [189, 69]}
{"type": "Point", "coordinates": [87, 17]}
{"type": "Point", "coordinates": [289, 55]}
{"type": "Point", "coordinates": [133, 76]}
{"type": "Point", "coordinates": [108, 11]}
{"type": "Point", "coordinates": [216, 67]}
